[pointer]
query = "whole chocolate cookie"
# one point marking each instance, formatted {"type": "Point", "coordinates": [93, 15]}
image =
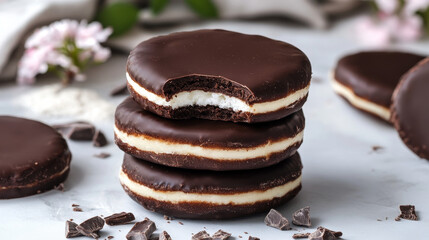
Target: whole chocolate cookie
{"type": "Point", "coordinates": [201, 194]}
{"type": "Point", "coordinates": [410, 114]}
{"type": "Point", "coordinates": [33, 157]}
{"type": "Point", "coordinates": [205, 144]}
{"type": "Point", "coordinates": [367, 79]}
{"type": "Point", "coordinates": [218, 75]}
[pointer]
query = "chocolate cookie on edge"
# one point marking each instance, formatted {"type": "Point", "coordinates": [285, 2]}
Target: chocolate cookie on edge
{"type": "Point", "coordinates": [33, 157]}
{"type": "Point", "coordinates": [200, 194]}
{"type": "Point", "coordinates": [205, 144]}
{"type": "Point", "coordinates": [218, 75]}
{"type": "Point", "coordinates": [367, 79]}
{"type": "Point", "coordinates": [410, 110]}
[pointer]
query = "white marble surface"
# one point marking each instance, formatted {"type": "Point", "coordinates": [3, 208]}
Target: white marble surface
{"type": "Point", "coordinates": [346, 183]}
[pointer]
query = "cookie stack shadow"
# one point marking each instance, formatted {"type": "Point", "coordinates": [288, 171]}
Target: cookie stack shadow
{"type": "Point", "coordinates": [213, 124]}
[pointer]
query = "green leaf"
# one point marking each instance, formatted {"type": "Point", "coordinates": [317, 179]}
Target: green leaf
{"type": "Point", "coordinates": [204, 8]}
{"type": "Point", "coordinates": [158, 5]}
{"type": "Point", "coordinates": [120, 16]}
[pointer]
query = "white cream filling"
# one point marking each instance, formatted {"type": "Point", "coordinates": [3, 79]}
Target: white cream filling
{"type": "Point", "coordinates": [359, 102]}
{"type": "Point", "coordinates": [202, 98]}
{"type": "Point", "coordinates": [149, 144]}
{"type": "Point", "coordinates": [219, 199]}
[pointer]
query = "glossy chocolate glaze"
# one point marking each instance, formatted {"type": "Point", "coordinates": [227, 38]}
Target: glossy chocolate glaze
{"type": "Point", "coordinates": [30, 151]}
{"type": "Point", "coordinates": [410, 109]}
{"type": "Point", "coordinates": [131, 118]}
{"type": "Point", "coordinates": [258, 68]}
{"type": "Point", "coordinates": [374, 75]}
{"type": "Point", "coordinates": [198, 181]}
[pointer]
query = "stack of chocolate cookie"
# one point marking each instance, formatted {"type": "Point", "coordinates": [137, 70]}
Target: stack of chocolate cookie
{"type": "Point", "coordinates": [214, 123]}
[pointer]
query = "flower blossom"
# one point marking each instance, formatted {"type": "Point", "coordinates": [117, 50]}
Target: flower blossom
{"type": "Point", "coordinates": [66, 47]}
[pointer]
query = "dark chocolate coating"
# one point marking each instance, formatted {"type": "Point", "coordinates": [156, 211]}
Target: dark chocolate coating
{"type": "Point", "coordinates": [410, 114]}
{"type": "Point", "coordinates": [192, 181]}
{"type": "Point", "coordinates": [205, 133]}
{"type": "Point", "coordinates": [265, 69]}
{"type": "Point", "coordinates": [129, 117]}
{"type": "Point", "coordinates": [374, 75]}
{"type": "Point", "coordinates": [209, 211]}
{"type": "Point", "coordinates": [30, 154]}
{"type": "Point", "coordinates": [163, 178]}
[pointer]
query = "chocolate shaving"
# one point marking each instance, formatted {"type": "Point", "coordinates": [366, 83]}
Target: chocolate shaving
{"type": "Point", "coordinates": [142, 230]}
{"type": "Point", "coordinates": [300, 235]}
{"type": "Point", "coordinates": [75, 205]}
{"type": "Point", "coordinates": [253, 238]}
{"type": "Point", "coordinates": [99, 140]}
{"type": "Point", "coordinates": [408, 212]}
{"type": "Point", "coordinates": [110, 237]}
{"type": "Point", "coordinates": [221, 235]}
{"type": "Point", "coordinates": [164, 236]}
{"type": "Point", "coordinates": [202, 235]}
{"type": "Point", "coordinates": [167, 217]}
{"type": "Point", "coordinates": [119, 90]}
{"type": "Point", "coordinates": [276, 220]}
{"type": "Point", "coordinates": [71, 230]}
{"type": "Point", "coordinates": [377, 148]}
{"type": "Point", "coordinates": [302, 217]}
{"type": "Point", "coordinates": [119, 218]}
{"type": "Point", "coordinates": [102, 155]}
{"type": "Point", "coordinates": [91, 227]}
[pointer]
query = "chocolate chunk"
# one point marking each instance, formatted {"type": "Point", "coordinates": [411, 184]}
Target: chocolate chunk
{"type": "Point", "coordinates": [110, 237]}
{"type": "Point", "coordinates": [302, 217]}
{"type": "Point", "coordinates": [91, 227]}
{"type": "Point", "coordinates": [71, 230]}
{"type": "Point", "coordinates": [167, 217]}
{"type": "Point", "coordinates": [60, 187]}
{"type": "Point", "coordinates": [119, 218]}
{"type": "Point", "coordinates": [276, 220]}
{"type": "Point", "coordinates": [120, 90]}
{"type": "Point", "coordinates": [75, 205]}
{"type": "Point", "coordinates": [77, 209]}
{"type": "Point", "coordinates": [99, 140]}
{"type": "Point", "coordinates": [221, 235]}
{"type": "Point", "coordinates": [180, 223]}
{"type": "Point", "coordinates": [322, 234]}
{"type": "Point", "coordinates": [203, 235]}
{"type": "Point", "coordinates": [408, 212]}
{"type": "Point", "coordinates": [253, 238]}
{"type": "Point", "coordinates": [301, 235]}
{"type": "Point", "coordinates": [164, 236]}
{"type": "Point", "coordinates": [79, 131]}
{"type": "Point", "coordinates": [102, 155]}
{"type": "Point", "coordinates": [377, 148]}
{"type": "Point", "coordinates": [141, 230]}
{"type": "Point", "coordinates": [334, 233]}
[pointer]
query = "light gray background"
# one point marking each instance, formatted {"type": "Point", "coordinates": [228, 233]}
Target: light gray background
{"type": "Point", "coordinates": [346, 183]}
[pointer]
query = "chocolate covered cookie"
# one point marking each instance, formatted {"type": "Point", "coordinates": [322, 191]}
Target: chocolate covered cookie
{"type": "Point", "coordinates": [205, 144]}
{"type": "Point", "coordinates": [201, 194]}
{"type": "Point", "coordinates": [410, 114]}
{"type": "Point", "coordinates": [218, 75]}
{"type": "Point", "coordinates": [367, 79]}
{"type": "Point", "coordinates": [33, 157]}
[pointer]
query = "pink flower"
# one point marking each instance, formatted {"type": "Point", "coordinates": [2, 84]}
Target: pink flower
{"type": "Point", "coordinates": [387, 6]}
{"type": "Point", "coordinates": [406, 28]}
{"type": "Point", "coordinates": [371, 33]}
{"type": "Point", "coordinates": [57, 44]}
{"type": "Point", "coordinates": [412, 6]}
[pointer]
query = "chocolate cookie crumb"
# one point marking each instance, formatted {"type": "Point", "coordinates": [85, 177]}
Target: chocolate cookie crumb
{"type": "Point", "coordinates": [77, 209]}
{"type": "Point", "coordinates": [164, 236]}
{"type": "Point", "coordinates": [253, 238]}
{"type": "Point", "coordinates": [202, 235]}
{"type": "Point", "coordinates": [221, 235]}
{"type": "Point", "coordinates": [99, 140]}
